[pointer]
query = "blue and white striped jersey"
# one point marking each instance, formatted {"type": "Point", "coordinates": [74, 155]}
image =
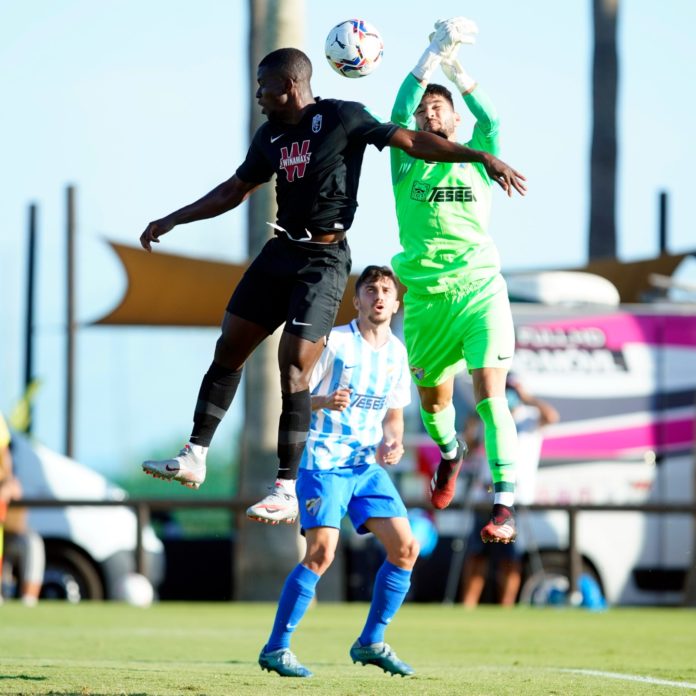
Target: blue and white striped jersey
{"type": "Point", "coordinates": [378, 380]}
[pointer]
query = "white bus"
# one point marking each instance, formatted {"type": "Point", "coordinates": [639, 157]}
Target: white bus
{"type": "Point", "coordinates": [624, 382]}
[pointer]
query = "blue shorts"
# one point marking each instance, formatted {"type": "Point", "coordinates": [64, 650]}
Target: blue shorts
{"type": "Point", "coordinates": [363, 492]}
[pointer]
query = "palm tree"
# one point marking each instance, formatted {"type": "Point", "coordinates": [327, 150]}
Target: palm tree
{"type": "Point", "coordinates": [604, 147]}
{"type": "Point", "coordinates": [263, 554]}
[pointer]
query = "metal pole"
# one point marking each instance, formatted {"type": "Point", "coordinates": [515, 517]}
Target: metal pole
{"type": "Point", "coordinates": [142, 512]}
{"type": "Point", "coordinates": [29, 322]}
{"type": "Point", "coordinates": [690, 579]}
{"type": "Point", "coordinates": [70, 322]}
{"type": "Point", "coordinates": [662, 229]}
{"type": "Point", "coordinates": [574, 561]}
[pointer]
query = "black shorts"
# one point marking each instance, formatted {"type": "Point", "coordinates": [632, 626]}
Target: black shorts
{"type": "Point", "coordinates": [300, 284]}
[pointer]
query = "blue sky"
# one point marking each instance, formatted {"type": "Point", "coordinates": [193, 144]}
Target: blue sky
{"type": "Point", "coordinates": [143, 107]}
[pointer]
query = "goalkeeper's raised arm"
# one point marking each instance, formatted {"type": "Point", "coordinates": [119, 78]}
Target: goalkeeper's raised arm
{"type": "Point", "coordinates": [444, 43]}
{"type": "Point", "coordinates": [485, 135]}
{"type": "Point", "coordinates": [427, 107]}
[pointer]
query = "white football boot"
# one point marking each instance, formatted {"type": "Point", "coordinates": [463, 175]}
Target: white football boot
{"type": "Point", "coordinates": [188, 467]}
{"type": "Point", "coordinates": [280, 505]}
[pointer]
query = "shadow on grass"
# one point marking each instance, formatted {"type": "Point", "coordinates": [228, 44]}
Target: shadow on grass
{"type": "Point", "coordinates": [25, 677]}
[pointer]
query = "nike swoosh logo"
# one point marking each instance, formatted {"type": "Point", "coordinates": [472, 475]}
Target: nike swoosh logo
{"type": "Point", "coordinates": [171, 468]}
{"type": "Point", "coordinates": [277, 137]}
{"type": "Point", "coordinates": [504, 357]}
{"type": "Point", "coordinates": [299, 323]}
{"type": "Point", "coordinates": [349, 367]}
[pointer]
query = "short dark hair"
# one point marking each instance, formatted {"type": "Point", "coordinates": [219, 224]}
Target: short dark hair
{"type": "Point", "coordinates": [434, 89]}
{"type": "Point", "coordinates": [372, 273]}
{"type": "Point", "coordinates": [289, 62]}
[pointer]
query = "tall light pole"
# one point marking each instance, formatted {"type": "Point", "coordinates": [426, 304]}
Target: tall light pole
{"type": "Point", "coordinates": [71, 324]}
{"type": "Point", "coordinates": [29, 320]}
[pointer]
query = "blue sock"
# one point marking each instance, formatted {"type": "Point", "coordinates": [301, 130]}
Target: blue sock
{"type": "Point", "coordinates": [388, 593]}
{"type": "Point", "coordinates": [297, 594]}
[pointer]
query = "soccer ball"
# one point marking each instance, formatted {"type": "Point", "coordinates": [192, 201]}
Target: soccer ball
{"type": "Point", "coordinates": [354, 48]}
{"type": "Point", "coordinates": [135, 589]}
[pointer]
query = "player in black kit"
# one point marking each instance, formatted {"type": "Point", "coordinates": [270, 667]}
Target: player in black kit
{"type": "Point", "coordinates": [315, 147]}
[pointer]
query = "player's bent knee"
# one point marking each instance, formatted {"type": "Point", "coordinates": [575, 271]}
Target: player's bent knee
{"type": "Point", "coordinates": [414, 550]}
{"type": "Point", "coordinates": [319, 560]}
{"type": "Point", "coordinates": [407, 554]}
{"type": "Point", "coordinates": [294, 379]}
{"type": "Point", "coordinates": [434, 404]}
{"type": "Point", "coordinates": [226, 355]}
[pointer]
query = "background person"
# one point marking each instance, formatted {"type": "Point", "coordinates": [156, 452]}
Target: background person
{"type": "Point", "coordinates": [24, 554]}
{"type": "Point", "coordinates": [531, 415]}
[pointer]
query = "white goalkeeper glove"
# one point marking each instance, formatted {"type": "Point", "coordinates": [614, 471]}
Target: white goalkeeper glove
{"type": "Point", "coordinates": [456, 74]}
{"type": "Point", "coordinates": [449, 33]}
{"type": "Point", "coordinates": [444, 41]}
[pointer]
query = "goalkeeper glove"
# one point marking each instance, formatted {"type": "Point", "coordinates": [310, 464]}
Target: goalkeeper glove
{"type": "Point", "coordinates": [456, 74]}
{"type": "Point", "coordinates": [449, 33]}
{"type": "Point", "coordinates": [444, 42]}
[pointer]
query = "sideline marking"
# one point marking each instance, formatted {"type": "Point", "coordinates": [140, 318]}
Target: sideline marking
{"type": "Point", "coordinates": [629, 677]}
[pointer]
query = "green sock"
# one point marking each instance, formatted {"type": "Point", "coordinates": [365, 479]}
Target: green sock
{"type": "Point", "coordinates": [500, 436]}
{"type": "Point", "coordinates": [440, 427]}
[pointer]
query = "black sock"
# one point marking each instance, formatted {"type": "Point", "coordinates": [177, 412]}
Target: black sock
{"type": "Point", "coordinates": [217, 390]}
{"type": "Point", "coordinates": [292, 432]}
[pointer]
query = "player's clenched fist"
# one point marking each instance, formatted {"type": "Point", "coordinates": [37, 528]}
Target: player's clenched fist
{"type": "Point", "coordinates": [337, 400]}
{"type": "Point", "coordinates": [389, 452]}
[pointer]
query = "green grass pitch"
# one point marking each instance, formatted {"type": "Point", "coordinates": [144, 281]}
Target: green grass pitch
{"type": "Point", "coordinates": [211, 649]}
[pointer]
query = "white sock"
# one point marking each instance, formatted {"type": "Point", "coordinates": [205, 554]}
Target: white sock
{"type": "Point", "coordinates": [450, 454]}
{"type": "Point", "coordinates": [198, 450]}
{"type": "Point", "coordinates": [506, 498]}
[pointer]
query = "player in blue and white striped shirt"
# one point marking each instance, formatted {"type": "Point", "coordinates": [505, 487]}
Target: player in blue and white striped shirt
{"type": "Point", "coordinates": [371, 382]}
{"type": "Point", "coordinates": [359, 389]}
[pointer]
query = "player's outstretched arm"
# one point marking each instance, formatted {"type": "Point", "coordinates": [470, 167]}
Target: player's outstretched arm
{"type": "Point", "coordinates": [458, 76]}
{"type": "Point", "coordinates": [444, 41]}
{"type": "Point", "coordinates": [548, 415]}
{"type": "Point", "coordinates": [228, 195]}
{"type": "Point", "coordinates": [433, 148]}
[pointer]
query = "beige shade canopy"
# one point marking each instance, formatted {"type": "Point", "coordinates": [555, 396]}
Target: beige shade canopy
{"type": "Point", "coordinates": [170, 290]}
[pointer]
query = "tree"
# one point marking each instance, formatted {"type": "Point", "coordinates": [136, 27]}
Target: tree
{"type": "Point", "coordinates": [604, 144]}
{"type": "Point", "coordinates": [263, 554]}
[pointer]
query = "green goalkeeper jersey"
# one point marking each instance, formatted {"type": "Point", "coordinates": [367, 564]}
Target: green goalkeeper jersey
{"type": "Point", "coordinates": [443, 209]}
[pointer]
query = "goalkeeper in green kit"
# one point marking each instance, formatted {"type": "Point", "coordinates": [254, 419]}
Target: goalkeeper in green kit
{"type": "Point", "coordinates": [456, 308]}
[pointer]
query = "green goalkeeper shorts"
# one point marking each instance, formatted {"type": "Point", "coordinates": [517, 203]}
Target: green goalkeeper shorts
{"type": "Point", "coordinates": [448, 332]}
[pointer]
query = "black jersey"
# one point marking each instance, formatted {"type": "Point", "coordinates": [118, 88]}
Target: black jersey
{"type": "Point", "coordinates": [317, 163]}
